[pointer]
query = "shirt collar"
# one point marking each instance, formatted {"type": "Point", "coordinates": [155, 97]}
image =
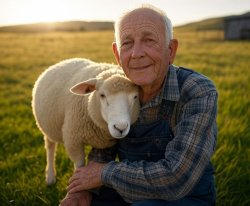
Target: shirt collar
{"type": "Point", "coordinates": [171, 88]}
{"type": "Point", "coordinates": [169, 91]}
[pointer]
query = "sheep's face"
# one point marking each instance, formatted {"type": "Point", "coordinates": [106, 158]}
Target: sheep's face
{"type": "Point", "coordinates": [119, 108]}
{"type": "Point", "coordinates": [118, 101]}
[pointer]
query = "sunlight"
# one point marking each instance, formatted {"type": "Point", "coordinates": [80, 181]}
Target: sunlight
{"type": "Point", "coordinates": [30, 11]}
{"type": "Point", "coordinates": [43, 11]}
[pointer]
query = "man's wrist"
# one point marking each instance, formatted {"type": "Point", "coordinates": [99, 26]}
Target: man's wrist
{"type": "Point", "coordinates": [107, 173]}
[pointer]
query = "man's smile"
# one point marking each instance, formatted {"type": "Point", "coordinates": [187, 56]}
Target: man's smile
{"type": "Point", "coordinates": [138, 67]}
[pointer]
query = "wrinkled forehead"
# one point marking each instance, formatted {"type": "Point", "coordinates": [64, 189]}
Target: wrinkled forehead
{"type": "Point", "coordinates": [143, 19]}
{"type": "Point", "coordinates": [146, 27]}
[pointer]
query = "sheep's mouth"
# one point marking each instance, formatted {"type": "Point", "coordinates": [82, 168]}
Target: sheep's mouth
{"type": "Point", "coordinates": [119, 137]}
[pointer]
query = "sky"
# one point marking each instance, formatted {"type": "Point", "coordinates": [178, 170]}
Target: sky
{"type": "Point", "coordinates": [14, 12]}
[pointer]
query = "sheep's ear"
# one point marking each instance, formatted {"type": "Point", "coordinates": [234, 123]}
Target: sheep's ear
{"type": "Point", "coordinates": [84, 88]}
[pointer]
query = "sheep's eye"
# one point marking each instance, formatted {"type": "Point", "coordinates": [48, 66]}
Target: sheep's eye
{"type": "Point", "coordinates": [135, 97]}
{"type": "Point", "coordinates": [102, 96]}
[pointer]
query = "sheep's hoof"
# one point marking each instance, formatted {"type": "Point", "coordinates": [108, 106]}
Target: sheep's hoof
{"type": "Point", "coordinates": [50, 180]}
{"type": "Point", "coordinates": [50, 177]}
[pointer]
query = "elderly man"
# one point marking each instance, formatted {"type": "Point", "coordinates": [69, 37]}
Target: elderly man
{"type": "Point", "coordinates": [165, 159]}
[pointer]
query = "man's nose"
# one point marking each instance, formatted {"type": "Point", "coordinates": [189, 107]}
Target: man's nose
{"type": "Point", "coordinates": [137, 50]}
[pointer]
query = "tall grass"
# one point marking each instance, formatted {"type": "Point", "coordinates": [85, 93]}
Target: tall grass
{"type": "Point", "coordinates": [227, 63]}
{"type": "Point", "coordinates": [22, 156]}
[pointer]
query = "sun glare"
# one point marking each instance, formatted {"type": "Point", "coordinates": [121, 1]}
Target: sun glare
{"type": "Point", "coordinates": [43, 11]}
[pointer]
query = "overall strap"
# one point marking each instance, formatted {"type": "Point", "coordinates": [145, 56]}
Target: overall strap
{"type": "Point", "coordinates": [170, 107]}
{"type": "Point", "coordinates": [182, 75]}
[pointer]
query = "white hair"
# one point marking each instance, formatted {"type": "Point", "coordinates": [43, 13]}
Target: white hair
{"type": "Point", "coordinates": [167, 21]}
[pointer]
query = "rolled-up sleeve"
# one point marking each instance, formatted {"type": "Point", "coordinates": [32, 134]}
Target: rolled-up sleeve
{"type": "Point", "coordinates": [186, 156]}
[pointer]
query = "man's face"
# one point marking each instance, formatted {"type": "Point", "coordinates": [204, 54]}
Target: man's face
{"type": "Point", "coordinates": [143, 51]}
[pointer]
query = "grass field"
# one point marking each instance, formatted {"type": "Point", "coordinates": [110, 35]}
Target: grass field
{"type": "Point", "coordinates": [22, 156]}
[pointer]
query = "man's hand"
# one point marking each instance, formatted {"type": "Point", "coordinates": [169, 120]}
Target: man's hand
{"type": "Point", "coordinates": [85, 178]}
{"type": "Point", "coordinates": [82, 198]}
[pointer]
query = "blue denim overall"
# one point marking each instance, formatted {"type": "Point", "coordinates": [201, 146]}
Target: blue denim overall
{"type": "Point", "coordinates": [148, 142]}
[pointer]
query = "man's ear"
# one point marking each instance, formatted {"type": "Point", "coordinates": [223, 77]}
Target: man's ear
{"type": "Point", "coordinates": [84, 88]}
{"type": "Point", "coordinates": [173, 45]}
{"type": "Point", "coordinates": [116, 53]}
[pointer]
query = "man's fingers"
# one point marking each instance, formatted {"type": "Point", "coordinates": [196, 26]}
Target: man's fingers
{"type": "Point", "coordinates": [73, 184]}
{"type": "Point", "coordinates": [76, 189]}
{"type": "Point", "coordinates": [74, 178]}
{"type": "Point", "coordinates": [76, 175]}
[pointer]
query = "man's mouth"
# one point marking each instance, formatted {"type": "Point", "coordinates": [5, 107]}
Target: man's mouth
{"type": "Point", "coordinates": [140, 67]}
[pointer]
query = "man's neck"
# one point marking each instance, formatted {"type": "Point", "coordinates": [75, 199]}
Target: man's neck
{"type": "Point", "coordinates": [147, 93]}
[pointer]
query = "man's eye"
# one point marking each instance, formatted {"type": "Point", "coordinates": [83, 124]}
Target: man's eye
{"type": "Point", "coordinates": [126, 43]}
{"type": "Point", "coordinates": [149, 41]}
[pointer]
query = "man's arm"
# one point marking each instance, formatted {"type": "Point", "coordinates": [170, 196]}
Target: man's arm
{"type": "Point", "coordinates": [186, 155]}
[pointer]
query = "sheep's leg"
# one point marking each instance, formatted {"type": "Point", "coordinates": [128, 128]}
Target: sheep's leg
{"type": "Point", "coordinates": [75, 151]}
{"type": "Point", "coordinates": [50, 171]}
{"type": "Point", "coordinates": [77, 156]}
{"type": "Point", "coordinates": [80, 162]}
{"type": "Point", "coordinates": [72, 139]}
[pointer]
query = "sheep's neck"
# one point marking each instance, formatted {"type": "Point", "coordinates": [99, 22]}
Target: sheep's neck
{"type": "Point", "coordinates": [94, 112]}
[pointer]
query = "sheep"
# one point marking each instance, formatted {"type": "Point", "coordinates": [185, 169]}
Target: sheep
{"type": "Point", "coordinates": [79, 102]}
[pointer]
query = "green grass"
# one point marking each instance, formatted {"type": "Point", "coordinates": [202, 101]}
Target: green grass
{"type": "Point", "coordinates": [22, 156]}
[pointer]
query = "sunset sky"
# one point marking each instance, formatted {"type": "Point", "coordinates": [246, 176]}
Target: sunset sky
{"type": "Point", "coordinates": [180, 11]}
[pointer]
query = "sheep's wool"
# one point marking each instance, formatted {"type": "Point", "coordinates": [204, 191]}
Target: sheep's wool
{"type": "Point", "coordinates": [71, 119]}
{"type": "Point", "coordinates": [68, 118]}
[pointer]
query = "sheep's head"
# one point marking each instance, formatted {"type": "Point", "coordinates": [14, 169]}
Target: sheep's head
{"type": "Point", "coordinates": [115, 100]}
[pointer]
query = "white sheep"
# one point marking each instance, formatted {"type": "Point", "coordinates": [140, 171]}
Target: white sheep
{"type": "Point", "coordinates": [106, 103]}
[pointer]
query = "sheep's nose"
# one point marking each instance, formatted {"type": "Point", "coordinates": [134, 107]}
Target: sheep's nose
{"type": "Point", "coordinates": [121, 126]}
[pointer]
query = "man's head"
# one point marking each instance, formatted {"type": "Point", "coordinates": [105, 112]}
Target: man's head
{"type": "Point", "coordinates": [144, 46]}
{"type": "Point", "coordinates": [168, 24]}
